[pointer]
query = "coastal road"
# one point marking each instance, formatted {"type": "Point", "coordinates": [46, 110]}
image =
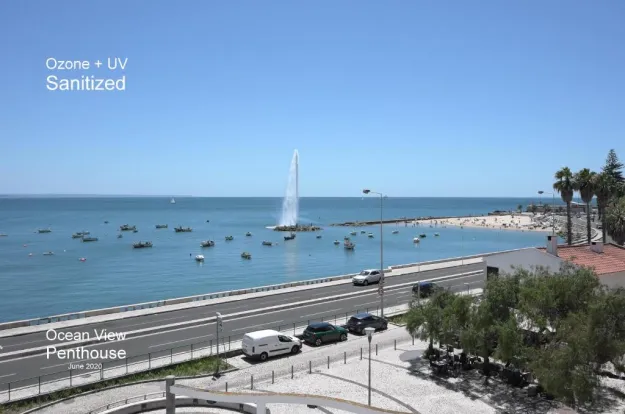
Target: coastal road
{"type": "Point", "coordinates": [38, 339]}
{"type": "Point", "coordinates": [25, 371]}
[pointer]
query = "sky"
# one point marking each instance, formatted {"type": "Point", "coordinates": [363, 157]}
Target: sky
{"type": "Point", "coordinates": [409, 98]}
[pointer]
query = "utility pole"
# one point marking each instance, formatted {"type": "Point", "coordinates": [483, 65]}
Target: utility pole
{"type": "Point", "coordinates": [219, 327]}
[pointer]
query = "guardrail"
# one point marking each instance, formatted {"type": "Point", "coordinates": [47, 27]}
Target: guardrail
{"type": "Point", "coordinates": [45, 384]}
{"type": "Point", "coordinates": [126, 402]}
{"type": "Point", "coordinates": [160, 303]}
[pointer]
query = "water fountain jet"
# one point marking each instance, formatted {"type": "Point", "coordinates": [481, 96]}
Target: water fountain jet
{"type": "Point", "coordinates": [290, 204]}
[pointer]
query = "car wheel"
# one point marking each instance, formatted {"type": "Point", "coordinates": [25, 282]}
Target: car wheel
{"type": "Point", "coordinates": [343, 337]}
{"type": "Point", "coordinates": [295, 349]}
{"type": "Point", "coordinates": [384, 327]}
{"type": "Point", "coordinates": [318, 342]}
{"type": "Point", "coordinates": [264, 356]}
{"type": "Point", "coordinates": [366, 282]}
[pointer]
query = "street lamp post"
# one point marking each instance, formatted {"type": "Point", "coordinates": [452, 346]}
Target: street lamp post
{"type": "Point", "coordinates": [381, 284]}
{"type": "Point", "coordinates": [369, 331]}
{"type": "Point", "coordinates": [553, 209]}
{"type": "Point", "coordinates": [219, 328]}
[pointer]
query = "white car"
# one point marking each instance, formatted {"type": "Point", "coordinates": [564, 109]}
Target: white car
{"type": "Point", "coordinates": [268, 343]}
{"type": "Point", "coordinates": [367, 276]}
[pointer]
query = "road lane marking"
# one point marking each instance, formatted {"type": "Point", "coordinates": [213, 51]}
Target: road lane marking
{"type": "Point", "coordinates": [262, 324]}
{"type": "Point", "coordinates": [8, 375]}
{"type": "Point", "coordinates": [319, 313]}
{"type": "Point", "coordinates": [181, 340]}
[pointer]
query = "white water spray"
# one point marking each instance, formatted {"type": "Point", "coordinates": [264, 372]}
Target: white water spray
{"type": "Point", "coordinates": [290, 205]}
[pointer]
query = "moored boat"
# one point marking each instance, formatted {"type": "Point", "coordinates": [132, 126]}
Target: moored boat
{"type": "Point", "coordinates": [336, 242]}
{"type": "Point", "coordinates": [370, 235]}
{"type": "Point", "coordinates": [290, 237]}
{"type": "Point", "coordinates": [44, 230]}
{"type": "Point", "coordinates": [89, 239]}
{"type": "Point", "coordinates": [318, 236]}
{"type": "Point", "coordinates": [48, 254]}
{"type": "Point", "coordinates": [161, 226]}
{"type": "Point", "coordinates": [436, 234]}
{"type": "Point", "coordinates": [362, 232]}
{"type": "Point", "coordinates": [127, 227]}
{"type": "Point", "coordinates": [80, 234]}
{"type": "Point", "coordinates": [348, 245]}
{"type": "Point", "coordinates": [246, 255]}
{"type": "Point", "coordinates": [395, 231]}
{"type": "Point", "coordinates": [181, 229]}
{"type": "Point", "coordinates": [199, 258]}
{"type": "Point", "coordinates": [416, 240]}
{"type": "Point", "coordinates": [353, 233]}
{"type": "Point", "coordinates": [267, 243]}
{"type": "Point", "coordinates": [119, 236]}
{"type": "Point", "coordinates": [423, 235]}
{"type": "Point", "coordinates": [248, 234]}
{"type": "Point", "coordinates": [142, 245]}
{"type": "Point", "coordinates": [207, 243]}
{"type": "Point", "coordinates": [229, 238]}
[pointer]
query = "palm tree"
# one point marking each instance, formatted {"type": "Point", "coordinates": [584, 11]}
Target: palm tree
{"type": "Point", "coordinates": [564, 186]}
{"type": "Point", "coordinates": [615, 221]}
{"type": "Point", "coordinates": [603, 186]}
{"type": "Point", "coordinates": [583, 182]}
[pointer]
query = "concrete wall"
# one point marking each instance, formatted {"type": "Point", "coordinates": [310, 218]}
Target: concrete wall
{"type": "Point", "coordinates": [527, 259]}
{"type": "Point", "coordinates": [613, 280]}
{"type": "Point", "coordinates": [159, 403]}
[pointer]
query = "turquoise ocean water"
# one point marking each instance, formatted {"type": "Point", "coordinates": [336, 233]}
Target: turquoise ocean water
{"type": "Point", "coordinates": [116, 274]}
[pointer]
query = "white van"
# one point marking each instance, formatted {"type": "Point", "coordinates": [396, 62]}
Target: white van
{"type": "Point", "coordinates": [267, 343]}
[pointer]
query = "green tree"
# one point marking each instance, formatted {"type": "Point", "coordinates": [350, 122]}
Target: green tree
{"type": "Point", "coordinates": [519, 208]}
{"type": "Point", "coordinates": [604, 187]}
{"type": "Point", "coordinates": [584, 183]}
{"type": "Point", "coordinates": [615, 221]}
{"type": "Point", "coordinates": [425, 318]}
{"type": "Point", "coordinates": [613, 167]}
{"type": "Point", "coordinates": [564, 185]}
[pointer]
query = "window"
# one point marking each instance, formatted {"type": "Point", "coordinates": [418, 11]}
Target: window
{"type": "Point", "coordinates": [283, 339]}
{"type": "Point", "coordinates": [369, 318]}
{"type": "Point", "coordinates": [375, 272]}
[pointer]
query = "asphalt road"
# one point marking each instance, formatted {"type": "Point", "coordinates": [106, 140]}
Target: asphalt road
{"type": "Point", "coordinates": [38, 339]}
{"type": "Point", "coordinates": [158, 345]}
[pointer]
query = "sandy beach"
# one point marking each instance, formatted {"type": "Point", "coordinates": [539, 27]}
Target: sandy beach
{"type": "Point", "coordinates": [517, 222]}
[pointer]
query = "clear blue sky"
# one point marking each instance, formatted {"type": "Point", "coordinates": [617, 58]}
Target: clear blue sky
{"type": "Point", "coordinates": [412, 98]}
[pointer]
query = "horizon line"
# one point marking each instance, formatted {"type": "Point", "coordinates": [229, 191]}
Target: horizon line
{"type": "Point", "coordinates": [52, 195]}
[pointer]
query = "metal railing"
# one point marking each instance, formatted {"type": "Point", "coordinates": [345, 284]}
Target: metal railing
{"type": "Point", "coordinates": [127, 401]}
{"type": "Point", "coordinates": [69, 378]}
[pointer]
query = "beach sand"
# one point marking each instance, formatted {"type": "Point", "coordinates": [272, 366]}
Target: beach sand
{"type": "Point", "coordinates": [517, 222]}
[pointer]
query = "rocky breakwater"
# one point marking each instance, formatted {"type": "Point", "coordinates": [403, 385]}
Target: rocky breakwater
{"type": "Point", "coordinates": [298, 227]}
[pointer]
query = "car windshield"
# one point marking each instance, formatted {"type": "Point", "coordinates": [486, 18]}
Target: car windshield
{"type": "Point", "coordinates": [364, 273]}
{"type": "Point", "coordinates": [353, 320]}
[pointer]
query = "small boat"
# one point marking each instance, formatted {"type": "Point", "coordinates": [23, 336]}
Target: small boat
{"type": "Point", "coordinates": [423, 235]}
{"type": "Point", "coordinates": [89, 239]}
{"type": "Point", "coordinates": [135, 231]}
{"type": "Point", "coordinates": [353, 233]}
{"type": "Point", "coordinates": [370, 235]}
{"type": "Point", "coordinates": [3, 235]}
{"type": "Point", "coordinates": [207, 243]}
{"type": "Point", "coordinates": [290, 237]}
{"type": "Point", "coordinates": [106, 222]}
{"type": "Point", "coordinates": [248, 234]}
{"type": "Point", "coordinates": [44, 231]}
{"type": "Point", "coordinates": [416, 240]}
{"type": "Point", "coordinates": [348, 245]}
{"type": "Point", "coordinates": [319, 236]}
{"type": "Point", "coordinates": [246, 255]}
{"type": "Point", "coordinates": [119, 236]}
{"type": "Point", "coordinates": [82, 259]}
{"type": "Point", "coordinates": [142, 245]}
{"type": "Point", "coordinates": [172, 201]}
{"type": "Point", "coordinates": [48, 254]}
{"type": "Point", "coordinates": [199, 258]}
{"type": "Point", "coordinates": [80, 234]}
{"type": "Point", "coordinates": [267, 243]}
{"type": "Point", "coordinates": [336, 242]}
{"type": "Point", "coordinates": [436, 234]}
{"type": "Point", "coordinates": [161, 226]}
{"type": "Point", "coordinates": [229, 238]}
{"type": "Point", "coordinates": [395, 231]}
{"type": "Point", "coordinates": [362, 232]}
{"type": "Point", "coordinates": [181, 229]}
{"type": "Point", "coordinates": [127, 227]}
{"type": "Point", "coordinates": [346, 238]}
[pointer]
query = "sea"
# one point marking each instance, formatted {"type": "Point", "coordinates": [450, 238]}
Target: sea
{"type": "Point", "coordinates": [114, 273]}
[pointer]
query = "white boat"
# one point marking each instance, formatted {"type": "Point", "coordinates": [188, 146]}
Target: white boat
{"type": "Point", "coordinates": [199, 258]}
{"type": "Point", "coordinates": [172, 201]}
{"type": "Point", "coordinates": [416, 240]}
{"type": "Point", "coordinates": [395, 231]}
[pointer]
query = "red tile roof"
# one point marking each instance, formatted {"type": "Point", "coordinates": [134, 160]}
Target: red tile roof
{"type": "Point", "coordinates": [610, 261]}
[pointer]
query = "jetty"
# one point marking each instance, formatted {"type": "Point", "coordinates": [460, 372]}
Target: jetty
{"type": "Point", "coordinates": [397, 220]}
{"type": "Point", "coordinates": [297, 227]}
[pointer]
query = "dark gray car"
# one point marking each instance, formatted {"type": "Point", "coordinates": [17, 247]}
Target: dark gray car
{"type": "Point", "coordinates": [360, 321]}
